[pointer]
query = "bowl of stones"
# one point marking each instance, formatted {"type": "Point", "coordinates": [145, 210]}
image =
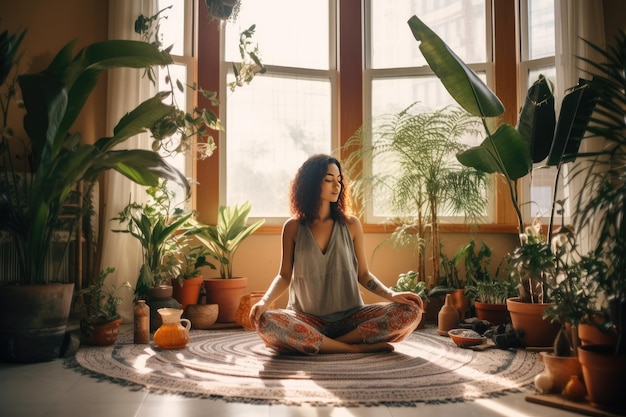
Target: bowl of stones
{"type": "Point", "coordinates": [465, 338]}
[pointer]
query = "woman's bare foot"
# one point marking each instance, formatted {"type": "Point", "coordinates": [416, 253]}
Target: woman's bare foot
{"type": "Point", "coordinates": [335, 346]}
{"type": "Point", "coordinates": [374, 347]}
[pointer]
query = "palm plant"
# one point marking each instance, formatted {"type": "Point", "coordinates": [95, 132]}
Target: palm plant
{"type": "Point", "coordinates": [417, 176]}
{"type": "Point", "coordinates": [602, 204]}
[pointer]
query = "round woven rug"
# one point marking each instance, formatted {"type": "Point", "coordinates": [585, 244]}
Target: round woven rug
{"type": "Point", "coordinates": [235, 365]}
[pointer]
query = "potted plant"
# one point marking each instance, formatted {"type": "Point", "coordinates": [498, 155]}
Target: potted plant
{"type": "Point", "coordinates": [419, 176]}
{"type": "Point", "coordinates": [188, 284]}
{"type": "Point", "coordinates": [156, 225]}
{"type": "Point", "coordinates": [488, 291]}
{"type": "Point", "coordinates": [600, 209]}
{"type": "Point", "coordinates": [476, 266]}
{"type": "Point", "coordinates": [33, 198]}
{"type": "Point", "coordinates": [221, 242]}
{"type": "Point", "coordinates": [101, 322]}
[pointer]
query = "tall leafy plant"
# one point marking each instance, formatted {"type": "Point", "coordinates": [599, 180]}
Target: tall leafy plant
{"type": "Point", "coordinates": [32, 204]}
{"type": "Point", "coordinates": [222, 240]}
{"type": "Point", "coordinates": [602, 205]}
{"type": "Point", "coordinates": [417, 176]}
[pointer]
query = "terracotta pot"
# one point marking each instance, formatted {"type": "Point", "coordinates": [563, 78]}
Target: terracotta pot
{"type": "Point", "coordinates": [493, 313]}
{"type": "Point", "coordinates": [605, 375]}
{"type": "Point", "coordinates": [227, 294]}
{"type": "Point", "coordinates": [432, 308]}
{"type": "Point", "coordinates": [33, 320]}
{"type": "Point", "coordinates": [528, 317]}
{"type": "Point", "coordinates": [561, 368]}
{"type": "Point", "coordinates": [461, 303]}
{"type": "Point", "coordinates": [160, 292]}
{"type": "Point", "coordinates": [591, 335]}
{"type": "Point", "coordinates": [189, 292]}
{"type": "Point", "coordinates": [202, 316]}
{"type": "Point", "coordinates": [100, 334]}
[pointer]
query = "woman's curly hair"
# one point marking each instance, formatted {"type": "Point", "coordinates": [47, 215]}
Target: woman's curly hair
{"type": "Point", "coordinates": [306, 188]}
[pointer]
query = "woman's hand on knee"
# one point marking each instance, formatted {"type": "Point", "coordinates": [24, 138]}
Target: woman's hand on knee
{"type": "Point", "coordinates": [256, 311]}
{"type": "Point", "coordinates": [408, 298]}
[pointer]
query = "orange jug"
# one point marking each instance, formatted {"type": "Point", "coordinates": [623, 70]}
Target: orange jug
{"type": "Point", "coordinates": [172, 334]}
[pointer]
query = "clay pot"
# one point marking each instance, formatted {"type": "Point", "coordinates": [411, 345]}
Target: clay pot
{"type": "Point", "coordinates": [461, 303]}
{"type": "Point", "coordinates": [561, 369]}
{"type": "Point", "coordinates": [591, 335]}
{"type": "Point", "coordinates": [227, 294]}
{"type": "Point", "coordinates": [160, 297]}
{"type": "Point", "coordinates": [100, 334]}
{"type": "Point", "coordinates": [528, 317]}
{"type": "Point", "coordinates": [202, 316]}
{"type": "Point", "coordinates": [605, 375]}
{"type": "Point", "coordinates": [33, 320]}
{"type": "Point", "coordinates": [189, 292]}
{"type": "Point", "coordinates": [493, 313]}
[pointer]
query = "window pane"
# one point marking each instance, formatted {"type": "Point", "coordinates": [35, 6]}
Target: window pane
{"type": "Point", "coordinates": [455, 21]}
{"type": "Point", "coordinates": [274, 124]}
{"type": "Point", "coordinates": [548, 72]}
{"type": "Point", "coordinates": [301, 42]}
{"type": "Point", "coordinates": [172, 28]}
{"type": "Point", "coordinates": [392, 95]}
{"type": "Point", "coordinates": [540, 28]}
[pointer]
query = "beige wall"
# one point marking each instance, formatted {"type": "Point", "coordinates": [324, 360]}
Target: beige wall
{"type": "Point", "coordinates": [51, 25]}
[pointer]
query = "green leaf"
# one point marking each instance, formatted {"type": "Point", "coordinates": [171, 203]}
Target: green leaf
{"type": "Point", "coordinates": [505, 152]}
{"type": "Point", "coordinates": [537, 119]}
{"type": "Point", "coordinates": [460, 80]}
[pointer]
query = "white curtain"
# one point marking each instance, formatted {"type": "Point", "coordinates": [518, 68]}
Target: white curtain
{"type": "Point", "coordinates": [576, 20]}
{"type": "Point", "coordinates": [126, 89]}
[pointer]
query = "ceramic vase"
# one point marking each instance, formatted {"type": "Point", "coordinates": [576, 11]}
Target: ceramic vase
{"type": "Point", "coordinates": [448, 317]}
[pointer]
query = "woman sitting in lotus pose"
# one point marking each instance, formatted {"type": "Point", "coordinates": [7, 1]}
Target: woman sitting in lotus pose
{"type": "Point", "coordinates": [323, 262]}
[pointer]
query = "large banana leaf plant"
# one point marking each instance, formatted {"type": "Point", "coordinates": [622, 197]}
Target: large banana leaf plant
{"type": "Point", "coordinates": [504, 151]}
{"type": "Point", "coordinates": [32, 205]}
{"type": "Point", "coordinates": [507, 150]}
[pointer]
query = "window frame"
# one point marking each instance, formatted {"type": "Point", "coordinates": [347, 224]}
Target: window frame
{"type": "Point", "coordinates": [350, 113]}
{"type": "Point", "coordinates": [330, 75]}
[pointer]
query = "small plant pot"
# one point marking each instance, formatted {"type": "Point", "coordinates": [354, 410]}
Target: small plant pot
{"type": "Point", "coordinates": [202, 316]}
{"type": "Point", "coordinates": [227, 293]}
{"type": "Point", "coordinates": [493, 313]}
{"type": "Point", "coordinates": [561, 368]}
{"type": "Point", "coordinates": [100, 334]}
{"type": "Point", "coordinates": [605, 375]}
{"type": "Point", "coordinates": [189, 292]}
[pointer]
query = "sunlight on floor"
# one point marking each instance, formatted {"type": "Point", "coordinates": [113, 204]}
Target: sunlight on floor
{"type": "Point", "coordinates": [501, 409]}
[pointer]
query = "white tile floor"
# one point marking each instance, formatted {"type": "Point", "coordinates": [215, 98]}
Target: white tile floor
{"type": "Point", "coordinates": [49, 389]}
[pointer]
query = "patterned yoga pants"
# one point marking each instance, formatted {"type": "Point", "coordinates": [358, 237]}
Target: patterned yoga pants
{"type": "Point", "coordinates": [292, 331]}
